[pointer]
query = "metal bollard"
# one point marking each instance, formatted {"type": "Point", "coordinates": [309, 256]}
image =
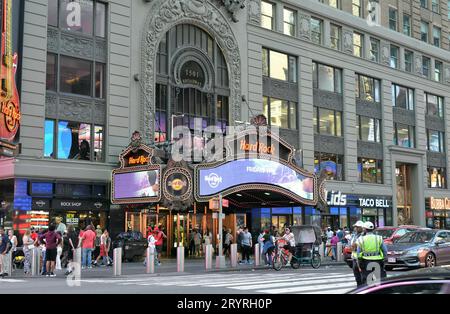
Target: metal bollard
{"type": "Point", "coordinates": [257, 255]}
{"type": "Point", "coordinates": [208, 256]}
{"type": "Point", "coordinates": [321, 251]}
{"type": "Point", "coordinates": [180, 259]}
{"type": "Point", "coordinates": [339, 256]}
{"type": "Point", "coordinates": [35, 261]}
{"type": "Point", "coordinates": [9, 262]}
{"type": "Point", "coordinates": [117, 256]}
{"type": "Point", "coordinates": [150, 260]}
{"type": "Point", "coordinates": [233, 254]}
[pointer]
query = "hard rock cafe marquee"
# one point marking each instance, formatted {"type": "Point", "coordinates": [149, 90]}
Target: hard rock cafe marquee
{"type": "Point", "coordinates": [256, 163]}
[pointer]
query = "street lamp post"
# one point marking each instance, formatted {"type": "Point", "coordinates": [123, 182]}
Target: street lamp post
{"type": "Point", "coordinates": [220, 258]}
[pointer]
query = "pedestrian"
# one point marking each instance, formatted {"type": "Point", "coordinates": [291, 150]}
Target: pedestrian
{"type": "Point", "coordinates": [98, 235]}
{"type": "Point", "coordinates": [358, 232]}
{"type": "Point", "coordinates": [246, 244]}
{"type": "Point", "coordinates": [105, 245]}
{"type": "Point", "coordinates": [14, 243]}
{"type": "Point", "coordinates": [151, 240]}
{"type": "Point", "coordinates": [207, 237]}
{"type": "Point", "coordinates": [60, 227]}
{"type": "Point", "coordinates": [227, 243]}
{"type": "Point", "coordinates": [268, 247]}
{"type": "Point", "coordinates": [191, 242]}
{"type": "Point", "coordinates": [197, 242]}
{"type": "Point", "coordinates": [334, 241]}
{"type": "Point", "coordinates": [290, 243]}
{"type": "Point", "coordinates": [34, 236]}
{"type": "Point", "coordinates": [51, 239]}
{"type": "Point", "coordinates": [261, 241]}
{"type": "Point", "coordinates": [28, 246]}
{"type": "Point", "coordinates": [159, 237]}
{"type": "Point", "coordinates": [239, 233]}
{"type": "Point", "coordinates": [73, 244]}
{"type": "Point", "coordinates": [59, 250]}
{"type": "Point", "coordinates": [371, 249]}
{"type": "Point", "coordinates": [340, 234]}
{"type": "Point", "coordinates": [87, 246]}
{"type": "Point", "coordinates": [5, 245]}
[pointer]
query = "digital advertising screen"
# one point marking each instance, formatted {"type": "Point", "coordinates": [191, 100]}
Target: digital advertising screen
{"type": "Point", "coordinates": [138, 184]}
{"type": "Point", "coordinates": [254, 171]}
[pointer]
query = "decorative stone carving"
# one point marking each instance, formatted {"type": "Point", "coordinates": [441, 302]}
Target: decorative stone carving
{"type": "Point", "coordinates": [304, 26]}
{"type": "Point", "coordinates": [370, 150]}
{"type": "Point", "coordinates": [435, 159]}
{"type": "Point", "coordinates": [51, 105]}
{"type": "Point", "coordinates": [280, 89]}
{"type": "Point", "coordinates": [233, 6]}
{"type": "Point", "coordinates": [368, 109]}
{"type": "Point", "coordinates": [52, 39]}
{"type": "Point", "coordinates": [434, 123]}
{"type": "Point", "coordinates": [190, 54]}
{"type": "Point", "coordinates": [404, 116]}
{"type": "Point", "coordinates": [385, 54]}
{"type": "Point", "coordinates": [99, 112]}
{"type": "Point", "coordinates": [75, 109]}
{"type": "Point", "coordinates": [162, 16]}
{"type": "Point", "coordinates": [329, 144]}
{"type": "Point", "coordinates": [254, 11]}
{"type": "Point", "coordinates": [77, 46]}
{"type": "Point", "coordinates": [348, 41]}
{"type": "Point", "coordinates": [328, 100]}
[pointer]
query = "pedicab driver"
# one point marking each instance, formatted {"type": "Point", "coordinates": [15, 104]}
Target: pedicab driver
{"type": "Point", "coordinates": [290, 243]}
{"type": "Point", "coordinates": [371, 249]}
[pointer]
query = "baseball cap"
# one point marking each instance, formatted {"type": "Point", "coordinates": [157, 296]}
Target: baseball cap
{"type": "Point", "coordinates": [368, 225]}
{"type": "Point", "coordinates": [359, 223]}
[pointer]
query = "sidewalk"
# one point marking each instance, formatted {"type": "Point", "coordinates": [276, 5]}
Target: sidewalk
{"type": "Point", "coordinates": [168, 266]}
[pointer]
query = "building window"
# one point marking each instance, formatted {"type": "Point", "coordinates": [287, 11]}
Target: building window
{"type": "Point", "coordinates": [393, 19]}
{"type": "Point", "coordinates": [369, 129]}
{"type": "Point", "coordinates": [424, 31]}
{"type": "Point", "coordinates": [279, 66]}
{"type": "Point", "coordinates": [404, 135]}
{"type": "Point", "coordinates": [437, 177]}
{"type": "Point", "coordinates": [356, 8]}
{"type": "Point", "coordinates": [51, 72]}
{"type": "Point", "coordinates": [332, 164]}
{"type": "Point", "coordinates": [436, 36]}
{"type": "Point", "coordinates": [334, 3]}
{"type": "Point", "coordinates": [438, 71]}
{"type": "Point", "coordinates": [289, 22]}
{"type": "Point", "coordinates": [435, 105]}
{"type": "Point", "coordinates": [374, 49]}
{"type": "Point", "coordinates": [92, 17]}
{"type": "Point", "coordinates": [74, 140]}
{"type": "Point", "coordinates": [327, 78]}
{"type": "Point", "coordinates": [409, 61]}
{"type": "Point", "coordinates": [316, 31]}
{"type": "Point", "coordinates": [75, 76]}
{"type": "Point", "coordinates": [327, 122]}
{"type": "Point", "coordinates": [335, 36]}
{"type": "Point", "coordinates": [370, 170]}
{"type": "Point", "coordinates": [402, 97]}
{"type": "Point", "coordinates": [426, 66]}
{"type": "Point", "coordinates": [406, 24]}
{"type": "Point", "coordinates": [358, 40]}
{"type": "Point", "coordinates": [281, 113]}
{"type": "Point", "coordinates": [394, 57]}
{"type": "Point", "coordinates": [435, 6]}
{"type": "Point", "coordinates": [424, 4]}
{"type": "Point", "coordinates": [435, 141]}
{"type": "Point", "coordinates": [367, 88]}
{"type": "Point", "coordinates": [267, 13]}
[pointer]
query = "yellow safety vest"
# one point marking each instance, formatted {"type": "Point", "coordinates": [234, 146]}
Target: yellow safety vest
{"type": "Point", "coordinates": [370, 247]}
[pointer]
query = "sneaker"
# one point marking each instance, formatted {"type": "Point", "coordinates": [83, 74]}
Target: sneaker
{"type": "Point", "coordinates": [159, 263]}
{"type": "Point", "coordinates": [83, 267]}
{"type": "Point", "coordinates": [47, 275]}
{"type": "Point", "coordinates": [52, 275]}
{"type": "Point", "coordinates": [67, 273]}
{"type": "Point", "coordinates": [43, 273]}
{"type": "Point", "coordinates": [89, 267]}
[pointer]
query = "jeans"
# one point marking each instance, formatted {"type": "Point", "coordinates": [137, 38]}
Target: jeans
{"type": "Point", "coordinates": [246, 250]}
{"type": "Point", "coordinates": [334, 249]}
{"type": "Point", "coordinates": [86, 257]}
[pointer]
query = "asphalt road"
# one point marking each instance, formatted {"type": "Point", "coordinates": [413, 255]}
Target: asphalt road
{"type": "Point", "coordinates": [327, 279]}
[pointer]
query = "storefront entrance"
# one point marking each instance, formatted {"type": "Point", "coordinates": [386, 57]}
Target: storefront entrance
{"type": "Point", "coordinates": [280, 221]}
{"type": "Point", "coordinates": [81, 219]}
{"type": "Point", "coordinates": [330, 221]}
{"type": "Point", "coordinates": [404, 195]}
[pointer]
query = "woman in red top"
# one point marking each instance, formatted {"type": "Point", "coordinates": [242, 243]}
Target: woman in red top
{"type": "Point", "coordinates": [334, 242]}
{"type": "Point", "coordinates": [159, 237]}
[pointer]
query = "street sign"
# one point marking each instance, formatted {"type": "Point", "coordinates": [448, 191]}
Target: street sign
{"type": "Point", "coordinates": [214, 204]}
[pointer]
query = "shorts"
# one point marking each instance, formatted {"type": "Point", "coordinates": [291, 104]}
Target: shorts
{"type": "Point", "coordinates": [103, 250]}
{"type": "Point", "coordinates": [290, 248]}
{"type": "Point", "coordinates": [50, 255]}
{"type": "Point", "coordinates": [158, 249]}
{"type": "Point", "coordinates": [1, 258]}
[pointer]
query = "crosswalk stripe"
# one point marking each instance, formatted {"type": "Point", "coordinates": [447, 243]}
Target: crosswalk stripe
{"type": "Point", "coordinates": [12, 280]}
{"type": "Point", "coordinates": [312, 288]}
{"type": "Point", "coordinates": [282, 280]}
{"type": "Point", "coordinates": [332, 291]}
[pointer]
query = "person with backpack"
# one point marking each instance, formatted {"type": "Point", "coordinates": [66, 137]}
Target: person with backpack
{"type": "Point", "coordinates": [5, 245]}
{"type": "Point", "coordinates": [51, 240]}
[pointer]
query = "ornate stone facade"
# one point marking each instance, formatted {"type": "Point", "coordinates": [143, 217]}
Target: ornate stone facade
{"type": "Point", "coordinates": [162, 16]}
{"type": "Point", "coordinates": [254, 11]}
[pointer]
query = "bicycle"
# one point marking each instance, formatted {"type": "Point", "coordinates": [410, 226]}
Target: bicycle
{"type": "Point", "coordinates": [280, 257]}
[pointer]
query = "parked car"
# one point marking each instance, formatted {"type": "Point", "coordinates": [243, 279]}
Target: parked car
{"type": "Point", "coordinates": [423, 281]}
{"type": "Point", "coordinates": [133, 245]}
{"type": "Point", "coordinates": [389, 234]}
{"type": "Point", "coordinates": [421, 248]}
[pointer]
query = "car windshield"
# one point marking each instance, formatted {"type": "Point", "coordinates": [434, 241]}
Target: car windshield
{"type": "Point", "coordinates": [417, 237]}
{"type": "Point", "coordinates": [384, 233]}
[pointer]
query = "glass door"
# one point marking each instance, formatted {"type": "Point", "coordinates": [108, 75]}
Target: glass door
{"type": "Point", "coordinates": [404, 195]}
{"type": "Point", "coordinates": [280, 221]}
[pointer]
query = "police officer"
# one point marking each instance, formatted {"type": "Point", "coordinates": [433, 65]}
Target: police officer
{"type": "Point", "coordinates": [358, 227]}
{"type": "Point", "coordinates": [371, 249]}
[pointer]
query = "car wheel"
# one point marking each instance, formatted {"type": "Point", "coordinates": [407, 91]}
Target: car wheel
{"type": "Point", "coordinates": [430, 260]}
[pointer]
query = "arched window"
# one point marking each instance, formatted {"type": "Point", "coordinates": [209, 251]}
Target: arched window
{"type": "Point", "coordinates": [191, 82]}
